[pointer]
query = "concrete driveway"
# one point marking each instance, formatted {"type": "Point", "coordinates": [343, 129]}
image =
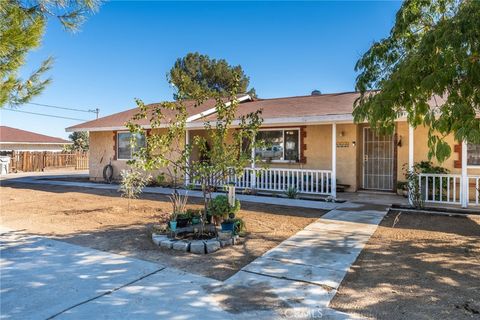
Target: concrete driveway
{"type": "Point", "coordinates": [45, 279]}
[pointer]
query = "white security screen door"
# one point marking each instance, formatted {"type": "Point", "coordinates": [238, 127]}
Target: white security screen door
{"type": "Point", "coordinates": [378, 160]}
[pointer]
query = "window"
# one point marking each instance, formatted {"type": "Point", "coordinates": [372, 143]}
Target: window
{"type": "Point", "coordinates": [279, 145]}
{"type": "Point", "coordinates": [473, 154]}
{"type": "Point", "coordinates": [124, 149]}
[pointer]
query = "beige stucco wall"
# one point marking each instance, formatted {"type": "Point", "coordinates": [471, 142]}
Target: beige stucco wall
{"type": "Point", "coordinates": [102, 151]}
{"type": "Point", "coordinates": [318, 152]}
{"type": "Point", "coordinates": [421, 151]}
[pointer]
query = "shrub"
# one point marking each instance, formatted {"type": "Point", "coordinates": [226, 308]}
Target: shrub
{"type": "Point", "coordinates": [220, 208]}
{"type": "Point", "coordinates": [132, 184]}
{"type": "Point", "coordinates": [292, 193]}
{"type": "Point", "coordinates": [402, 185]}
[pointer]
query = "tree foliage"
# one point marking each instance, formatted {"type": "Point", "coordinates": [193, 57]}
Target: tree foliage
{"type": "Point", "coordinates": [431, 57]}
{"type": "Point", "coordinates": [199, 74]}
{"type": "Point", "coordinates": [22, 26]}
{"type": "Point", "coordinates": [223, 159]}
{"type": "Point", "coordinates": [80, 141]}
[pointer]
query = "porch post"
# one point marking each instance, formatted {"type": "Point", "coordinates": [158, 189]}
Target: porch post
{"type": "Point", "coordinates": [253, 184]}
{"type": "Point", "coordinates": [411, 145]}
{"type": "Point", "coordinates": [334, 161]}
{"type": "Point", "coordinates": [464, 199]}
{"type": "Point", "coordinates": [187, 142]}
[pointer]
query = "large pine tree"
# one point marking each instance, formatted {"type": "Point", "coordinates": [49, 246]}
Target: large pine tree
{"type": "Point", "coordinates": [22, 26]}
{"type": "Point", "coordinates": [197, 73]}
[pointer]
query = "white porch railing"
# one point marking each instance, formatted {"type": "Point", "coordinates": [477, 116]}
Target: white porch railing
{"type": "Point", "coordinates": [474, 190]}
{"type": "Point", "coordinates": [447, 188]}
{"type": "Point", "coordinates": [280, 180]}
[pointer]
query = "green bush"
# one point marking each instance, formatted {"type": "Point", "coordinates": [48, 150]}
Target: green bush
{"type": "Point", "coordinates": [402, 185]}
{"type": "Point", "coordinates": [219, 207]}
{"type": "Point", "coordinates": [428, 167]}
{"type": "Point", "coordinates": [291, 193]}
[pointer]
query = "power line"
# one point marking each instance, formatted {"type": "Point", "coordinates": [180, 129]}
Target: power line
{"type": "Point", "coordinates": [96, 110]}
{"type": "Point", "coordinates": [63, 108]}
{"type": "Point", "coordinates": [43, 114]}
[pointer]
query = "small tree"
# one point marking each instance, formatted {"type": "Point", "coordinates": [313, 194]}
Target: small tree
{"type": "Point", "coordinates": [132, 184]}
{"type": "Point", "coordinates": [222, 148]}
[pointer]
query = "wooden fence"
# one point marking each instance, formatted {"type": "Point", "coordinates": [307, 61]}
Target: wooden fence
{"type": "Point", "coordinates": [27, 161]}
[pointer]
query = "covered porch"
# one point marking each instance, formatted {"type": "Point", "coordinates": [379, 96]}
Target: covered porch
{"type": "Point", "coordinates": [284, 173]}
{"type": "Point", "coordinates": [374, 163]}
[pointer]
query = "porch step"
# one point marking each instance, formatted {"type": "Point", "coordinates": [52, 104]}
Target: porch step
{"type": "Point", "coordinates": [386, 192]}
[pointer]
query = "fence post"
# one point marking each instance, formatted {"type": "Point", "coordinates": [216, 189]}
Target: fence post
{"type": "Point", "coordinates": [333, 184]}
{"type": "Point", "coordinates": [464, 188]}
{"type": "Point", "coordinates": [411, 146]}
{"type": "Point", "coordinates": [253, 174]}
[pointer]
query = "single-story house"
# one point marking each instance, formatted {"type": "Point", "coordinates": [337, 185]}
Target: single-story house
{"type": "Point", "coordinates": [314, 145]}
{"type": "Point", "coordinates": [12, 139]}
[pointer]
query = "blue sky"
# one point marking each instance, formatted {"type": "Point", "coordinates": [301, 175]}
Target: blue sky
{"type": "Point", "coordinates": [125, 50]}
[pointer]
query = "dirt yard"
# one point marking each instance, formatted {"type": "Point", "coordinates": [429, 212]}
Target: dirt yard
{"type": "Point", "coordinates": [425, 267]}
{"type": "Point", "coordinates": [99, 219]}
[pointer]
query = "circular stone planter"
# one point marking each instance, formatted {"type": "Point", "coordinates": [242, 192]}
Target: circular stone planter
{"type": "Point", "coordinates": [223, 239]}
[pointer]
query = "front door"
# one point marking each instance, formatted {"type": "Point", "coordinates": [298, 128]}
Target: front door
{"type": "Point", "coordinates": [378, 159]}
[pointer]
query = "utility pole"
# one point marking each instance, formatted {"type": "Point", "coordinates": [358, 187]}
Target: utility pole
{"type": "Point", "coordinates": [96, 111]}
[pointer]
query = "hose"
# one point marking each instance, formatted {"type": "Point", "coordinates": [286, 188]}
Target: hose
{"type": "Point", "coordinates": [108, 173]}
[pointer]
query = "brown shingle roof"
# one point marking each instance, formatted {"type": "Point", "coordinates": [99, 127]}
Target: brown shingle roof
{"type": "Point", "coordinates": [9, 134]}
{"type": "Point", "coordinates": [301, 106]}
{"type": "Point", "coordinates": [118, 120]}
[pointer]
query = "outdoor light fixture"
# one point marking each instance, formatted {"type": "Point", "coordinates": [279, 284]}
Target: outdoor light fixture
{"type": "Point", "coordinates": [399, 143]}
{"type": "Point", "coordinates": [353, 143]}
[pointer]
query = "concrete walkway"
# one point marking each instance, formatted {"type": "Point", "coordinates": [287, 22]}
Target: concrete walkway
{"type": "Point", "coordinates": [309, 266]}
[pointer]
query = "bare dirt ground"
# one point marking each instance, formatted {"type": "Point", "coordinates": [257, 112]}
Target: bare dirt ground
{"type": "Point", "coordinates": [99, 219]}
{"type": "Point", "coordinates": [425, 267]}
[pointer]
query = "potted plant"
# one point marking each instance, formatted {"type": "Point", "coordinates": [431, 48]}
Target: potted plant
{"type": "Point", "coordinates": [183, 219]}
{"type": "Point", "coordinates": [229, 224]}
{"type": "Point", "coordinates": [195, 215]}
{"type": "Point", "coordinates": [220, 209]}
{"type": "Point", "coordinates": [402, 188]}
{"type": "Point", "coordinates": [233, 224]}
{"type": "Point", "coordinates": [179, 203]}
{"type": "Point", "coordinates": [173, 221]}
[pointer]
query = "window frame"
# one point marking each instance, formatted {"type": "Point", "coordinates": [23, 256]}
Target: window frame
{"type": "Point", "coordinates": [473, 166]}
{"type": "Point", "coordinates": [118, 146]}
{"type": "Point", "coordinates": [283, 129]}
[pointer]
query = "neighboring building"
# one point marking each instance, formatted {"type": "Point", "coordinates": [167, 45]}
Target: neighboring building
{"type": "Point", "coordinates": [12, 139]}
{"type": "Point", "coordinates": [314, 142]}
